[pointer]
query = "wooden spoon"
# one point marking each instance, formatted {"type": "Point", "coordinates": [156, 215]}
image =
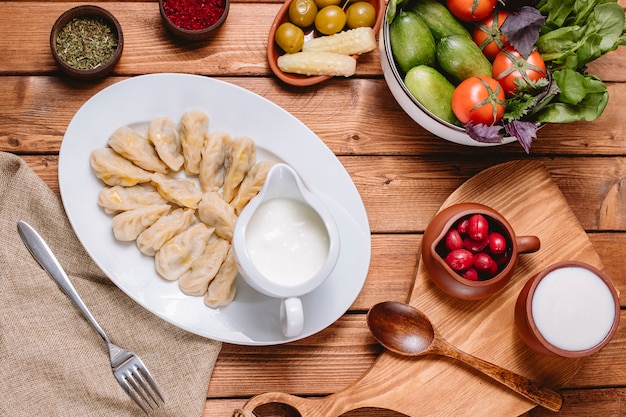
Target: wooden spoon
{"type": "Point", "coordinates": [407, 331]}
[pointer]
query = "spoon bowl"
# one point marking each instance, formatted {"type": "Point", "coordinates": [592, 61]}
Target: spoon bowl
{"type": "Point", "coordinates": [407, 331]}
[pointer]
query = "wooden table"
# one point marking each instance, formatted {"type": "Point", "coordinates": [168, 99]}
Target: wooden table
{"type": "Point", "coordinates": [403, 173]}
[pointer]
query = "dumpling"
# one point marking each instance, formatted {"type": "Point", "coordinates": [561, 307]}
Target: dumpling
{"type": "Point", "coordinates": [179, 191]}
{"type": "Point", "coordinates": [251, 185]}
{"type": "Point", "coordinates": [216, 148]}
{"type": "Point", "coordinates": [241, 158]}
{"type": "Point", "coordinates": [129, 224]}
{"type": "Point", "coordinates": [137, 149]}
{"type": "Point", "coordinates": [113, 169]}
{"type": "Point", "coordinates": [177, 254]}
{"type": "Point", "coordinates": [223, 287]}
{"type": "Point", "coordinates": [216, 212]}
{"type": "Point", "coordinates": [150, 240]}
{"type": "Point", "coordinates": [117, 198]}
{"type": "Point", "coordinates": [192, 128]}
{"type": "Point", "coordinates": [196, 280]}
{"type": "Point", "coordinates": [163, 134]}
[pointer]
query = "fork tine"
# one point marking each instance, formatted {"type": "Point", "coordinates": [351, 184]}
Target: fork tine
{"type": "Point", "coordinates": [145, 376]}
{"type": "Point", "coordinates": [132, 391]}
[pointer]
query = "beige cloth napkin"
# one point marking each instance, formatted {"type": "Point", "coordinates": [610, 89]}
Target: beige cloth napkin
{"type": "Point", "coordinates": [52, 363]}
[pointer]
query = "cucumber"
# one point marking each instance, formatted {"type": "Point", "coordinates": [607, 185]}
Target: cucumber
{"type": "Point", "coordinates": [432, 90]}
{"type": "Point", "coordinates": [439, 19]}
{"type": "Point", "coordinates": [411, 41]}
{"type": "Point", "coordinates": [461, 58]}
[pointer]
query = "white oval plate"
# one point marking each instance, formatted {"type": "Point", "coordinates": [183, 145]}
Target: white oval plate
{"type": "Point", "coordinates": [252, 318]}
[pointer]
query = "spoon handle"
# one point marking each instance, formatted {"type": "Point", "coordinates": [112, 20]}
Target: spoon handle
{"type": "Point", "coordinates": [545, 397]}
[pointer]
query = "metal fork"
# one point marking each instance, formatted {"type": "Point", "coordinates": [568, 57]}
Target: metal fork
{"type": "Point", "coordinates": [129, 370]}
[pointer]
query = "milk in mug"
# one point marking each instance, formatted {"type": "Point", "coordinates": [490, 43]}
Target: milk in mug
{"type": "Point", "coordinates": [573, 308]}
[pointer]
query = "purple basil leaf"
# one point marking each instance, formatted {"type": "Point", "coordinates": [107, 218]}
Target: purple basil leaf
{"type": "Point", "coordinates": [522, 28]}
{"type": "Point", "coordinates": [483, 133]}
{"type": "Point", "coordinates": [525, 132]}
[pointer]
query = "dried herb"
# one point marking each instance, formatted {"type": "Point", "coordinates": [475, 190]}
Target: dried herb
{"type": "Point", "coordinates": [86, 42]}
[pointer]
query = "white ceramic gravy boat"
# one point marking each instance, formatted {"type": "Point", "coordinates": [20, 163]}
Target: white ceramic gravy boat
{"type": "Point", "coordinates": [286, 243]}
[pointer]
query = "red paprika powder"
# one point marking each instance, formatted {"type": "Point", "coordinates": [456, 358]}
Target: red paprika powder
{"type": "Point", "coordinates": [194, 14]}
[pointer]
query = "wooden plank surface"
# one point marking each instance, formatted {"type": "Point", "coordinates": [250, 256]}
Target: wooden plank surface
{"type": "Point", "coordinates": [402, 171]}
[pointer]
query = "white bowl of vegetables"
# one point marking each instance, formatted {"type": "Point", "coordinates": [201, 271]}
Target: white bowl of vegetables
{"type": "Point", "coordinates": [489, 72]}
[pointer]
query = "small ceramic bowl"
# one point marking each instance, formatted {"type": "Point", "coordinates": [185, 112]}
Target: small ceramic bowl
{"type": "Point", "coordinates": [87, 12]}
{"type": "Point", "coordinates": [191, 34]}
{"type": "Point", "coordinates": [274, 51]}
{"type": "Point", "coordinates": [568, 310]}
{"type": "Point", "coordinates": [452, 282]}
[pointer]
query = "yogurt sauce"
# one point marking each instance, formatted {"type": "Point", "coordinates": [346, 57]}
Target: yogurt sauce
{"type": "Point", "coordinates": [573, 308]}
{"type": "Point", "coordinates": [287, 241]}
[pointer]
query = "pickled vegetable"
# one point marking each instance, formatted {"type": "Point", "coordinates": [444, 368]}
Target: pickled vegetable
{"type": "Point", "coordinates": [289, 37]}
{"type": "Point", "coordinates": [318, 63]}
{"type": "Point", "coordinates": [350, 42]}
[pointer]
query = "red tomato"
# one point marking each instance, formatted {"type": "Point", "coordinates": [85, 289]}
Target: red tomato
{"type": "Point", "coordinates": [479, 100]}
{"type": "Point", "coordinates": [487, 34]}
{"type": "Point", "coordinates": [471, 10]}
{"type": "Point", "coordinates": [509, 65]}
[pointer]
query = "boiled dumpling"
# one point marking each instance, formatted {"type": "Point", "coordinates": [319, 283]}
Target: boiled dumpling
{"type": "Point", "coordinates": [192, 128]}
{"type": "Point", "coordinates": [196, 280]}
{"type": "Point", "coordinates": [136, 148]}
{"type": "Point", "coordinates": [216, 148]}
{"type": "Point", "coordinates": [223, 287]}
{"type": "Point", "coordinates": [113, 169]}
{"type": "Point", "coordinates": [117, 198]}
{"type": "Point", "coordinates": [163, 134]}
{"type": "Point", "coordinates": [241, 158]}
{"type": "Point", "coordinates": [251, 185]}
{"type": "Point", "coordinates": [179, 191]}
{"type": "Point", "coordinates": [177, 254]}
{"type": "Point", "coordinates": [129, 224]}
{"type": "Point", "coordinates": [216, 212]}
{"type": "Point", "coordinates": [150, 240]}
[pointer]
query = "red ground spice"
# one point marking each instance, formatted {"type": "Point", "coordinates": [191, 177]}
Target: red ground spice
{"type": "Point", "coordinates": [194, 14]}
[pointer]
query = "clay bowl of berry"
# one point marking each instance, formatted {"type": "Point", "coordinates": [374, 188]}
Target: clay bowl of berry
{"type": "Point", "coordinates": [470, 250]}
{"type": "Point", "coordinates": [311, 41]}
{"type": "Point", "coordinates": [194, 20]}
{"type": "Point", "coordinates": [87, 42]}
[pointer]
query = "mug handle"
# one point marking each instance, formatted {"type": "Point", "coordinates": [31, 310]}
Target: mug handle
{"type": "Point", "coordinates": [528, 244]}
{"type": "Point", "coordinates": [291, 316]}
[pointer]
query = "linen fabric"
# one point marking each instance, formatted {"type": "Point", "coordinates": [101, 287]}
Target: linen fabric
{"type": "Point", "coordinates": [53, 363]}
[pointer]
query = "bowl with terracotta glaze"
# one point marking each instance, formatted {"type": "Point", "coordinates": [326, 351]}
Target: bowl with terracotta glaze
{"type": "Point", "coordinates": [568, 310]}
{"type": "Point", "coordinates": [191, 25]}
{"type": "Point", "coordinates": [93, 13]}
{"type": "Point", "coordinates": [274, 51]}
{"type": "Point", "coordinates": [453, 282]}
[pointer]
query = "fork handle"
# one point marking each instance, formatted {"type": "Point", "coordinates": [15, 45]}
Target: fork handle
{"type": "Point", "coordinates": [43, 254]}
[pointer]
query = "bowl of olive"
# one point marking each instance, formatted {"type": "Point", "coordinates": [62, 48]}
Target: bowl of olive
{"type": "Point", "coordinates": [341, 21]}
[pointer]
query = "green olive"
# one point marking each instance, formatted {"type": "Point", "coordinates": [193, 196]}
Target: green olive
{"type": "Point", "coordinates": [289, 37]}
{"type": "Point", "coordinates": [330, 20]}
{"type": "Point", "coordinates": [360, 14]}
{"type": "Point", "coordinates": [324, 3]}
{"type": "Point", "coordinates": [302, 12]}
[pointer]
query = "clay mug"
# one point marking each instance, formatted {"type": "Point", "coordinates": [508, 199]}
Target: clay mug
{"type": "Point", "coordinates": [570, 310]}
{"type": "Point", "coordinates": [450, 281]}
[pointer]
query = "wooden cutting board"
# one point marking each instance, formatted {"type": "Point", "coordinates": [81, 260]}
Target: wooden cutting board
{"type": "Point", "coordinates": [435, 386]}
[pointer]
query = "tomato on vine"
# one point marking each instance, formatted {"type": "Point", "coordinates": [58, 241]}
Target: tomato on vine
{"type": "Point", "coordinates": [471, 10]}
{"type": "Point", "coordinates": [487, 34]}
{"type": "Point", "coordinates": [479, 100]}
{"type": "Point", "coordinates": [509, 68]}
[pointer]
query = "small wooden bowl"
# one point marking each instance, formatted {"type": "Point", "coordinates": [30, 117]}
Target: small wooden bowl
{"type": "Point", "coordinates": [87, 11]}
{"type": "Point", "coordinates": [274, 51]}
{"type": "Point", "coordinates": [193, 35]}
{"type": "Point", "coordinates": [450, 281]}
